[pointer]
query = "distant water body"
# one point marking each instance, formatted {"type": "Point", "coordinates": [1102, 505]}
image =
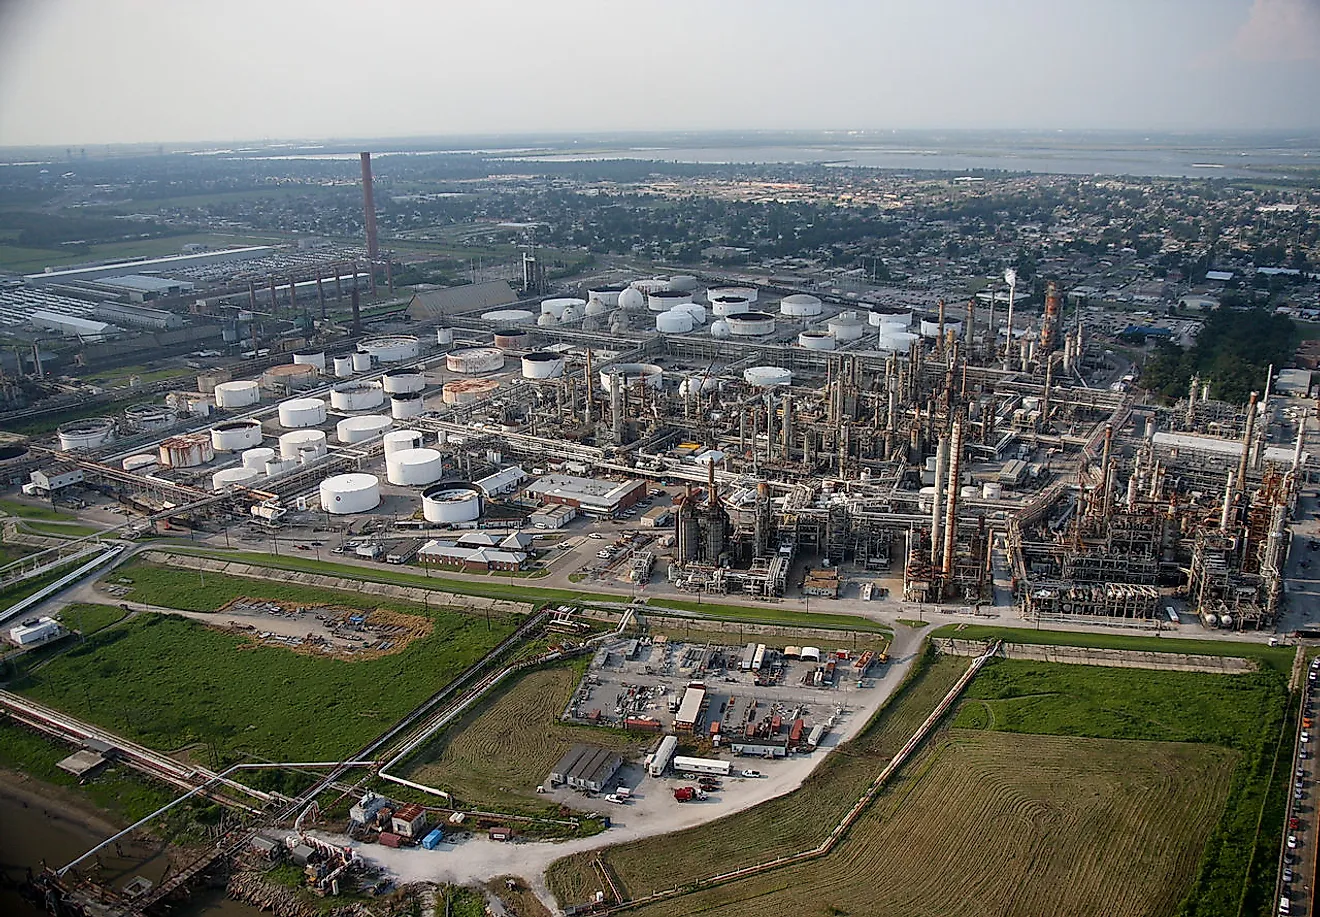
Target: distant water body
{"type": "Point", "coordinates": [1171, 160]}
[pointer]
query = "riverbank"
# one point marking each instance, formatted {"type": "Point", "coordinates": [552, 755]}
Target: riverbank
{"type": "Point", "coordinates": [56, 803]}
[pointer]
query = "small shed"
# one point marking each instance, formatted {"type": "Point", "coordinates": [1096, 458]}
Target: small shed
{"type": "Point", "coordinates": [409, 821]}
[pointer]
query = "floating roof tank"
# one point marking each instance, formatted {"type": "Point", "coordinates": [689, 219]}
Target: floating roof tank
{"type": "Point", "coordinates": [403, 381]}
{"type": "Point", "coordinates": [542, 365]}
{"type": "Point", "coordinates": [815, 339]}
{"type": "Point", "coordinates": [89, 433]}
{"type": "Point", "coordinates": [393, 348]}
{"type": "Point", "coordinates": [750, 324]}
{"type": "Point", "coordinates": [471, 360]}
{"type": "Point", "coordinates": [767, 376]}
{"type": "Point", "coordinates": [451, 502]}
{"type": "Point", "coordinates": [357, 396]}
{"type": "Point", "coordinates": [398, 440]}
{"type": "Point", "coordinates": [311, 358]}
{"type": "Point", "coordinates": [403, 407]}
{"type": "Point", "coordinates": [236, 435]}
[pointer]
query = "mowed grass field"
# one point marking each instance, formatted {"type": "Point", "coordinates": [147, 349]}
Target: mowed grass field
{"type": "Point", "coordinates": [1149, 786]}
{"type": "Point", "coordinates": [499, 752]}
{"type": "Point", "coordinates": [175, 684]}
{"type": "Point", "coordinates": [985, 823]}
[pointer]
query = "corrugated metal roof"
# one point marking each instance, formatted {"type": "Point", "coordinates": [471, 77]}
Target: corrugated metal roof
{"type": "Point", "coordinates": [471, 297]}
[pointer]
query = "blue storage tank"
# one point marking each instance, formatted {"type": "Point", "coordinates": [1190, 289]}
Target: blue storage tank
{"type": "Point", "coordinates": [432, 840]}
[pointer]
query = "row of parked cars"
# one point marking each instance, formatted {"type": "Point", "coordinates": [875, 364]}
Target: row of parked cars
{"type": "Point", "coordinates": [1295, 823]}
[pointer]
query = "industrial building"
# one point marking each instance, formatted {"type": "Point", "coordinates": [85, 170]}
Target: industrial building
{"type": "Point", "coordinates": [34, 631]}
{"type": "Point", "coordinates": [586, 767]}
{"type": "Point", "coordinates": [86, 329]}
{"type": "Point", "coordinates": [477, 560]}
{"type": "Point", "coordinates": [138, 316]}
{"type": "Point", "coordinates": [54, 478]}
{"type": "Point", "coordinates": [140, 288]}
{"type": "Point", "coordinates": [590, 496]}
{"type": "Point", "coordinates": [552, 516]}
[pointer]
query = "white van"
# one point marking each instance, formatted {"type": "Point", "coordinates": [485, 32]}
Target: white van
{"type": "Point", "coordinates": [1285, 906]}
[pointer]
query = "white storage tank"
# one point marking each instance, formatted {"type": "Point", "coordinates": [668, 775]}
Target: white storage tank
{"type": "Point", "coordinates": [392, 348]}
{"type": "Point", "coordinates": [747, 293]}
{"type": "Point", "coordinates": [675, 322]}
{"type": "Point", "coordinates": [720, 329]}
{"type": "Point", "coordinates": [650, 285]}
{"type": "Point", "coordinates": [302, 412]}
{"type": "Point", "coordinates": [403, 407]}
{"type": "Point", "coordinates": [750, 324]}
{"type": "Point", "coordinates": [241, 394]}
{"type": "Point", "coordinates": [884, 315]}
{"type": "Point", "coordinates": [992, 490]}
{"type": "Point", "coordinates": [800, 305]}
{"type": "Point", "coordinates": [632, 300]}
{"type": "Point", "coordinates": [846, 326]}
{"type": "Point", "coordinates": [140, 463]}
{"type": "Point", "coordinates": [512, 339]}
{"type": "Point", "coordinates": [815, 339]}
{"type": "Point", "coordinates": [509, 317]}
{"type": "Point", "coordinates": [343, 367]}
{"type": "Point", "coordinates": [357, 396]}
{"type": "Point", "coordinates": [471, 360]}
{"type": "Point", "coordinates": [403, 381]}
{"type": "Point", "coordinates": [608, 294]}
{"type": "Point", "coordinates": [698, 385]}
{"type": "Point", "coordinates": [444, 336]}
{"type": "Point", "coordinates": [721, 306]}
{"type": "Point", "coordinates": [230, 477]}
{"type": "Point", "coordinates": [648, 374]}
{"type": "Point", "coordinates": [361, 362]}
{"type": "Point", "coordinates": [414, 467]}
{"type": "Point", "coordinates": [311, 358]}
{"type": "Point", "coordinates": [930, 326]}
{"type": "Point", "coordinates": [664, 300]}
{"type": "Point", "coordinates": [895, 341]}
{"type": "Point", "coordinates": [767, 376]}
{"type": "Point", "coordinates": [557, 306]}
{"type": "Point", "coordinates": [257, 458]}
{"type": "Point", "coordinates": [236, 435]}
{"type": "Point", "coordinates": [359, 429]}
{"type": "Point", "coordinates": [399, 440]}
{"type": "Point", "coordinates": [467, 391]}
{"type": "Point", "coordinates": [291, 444]}
{"type": "Point", "coordinates": [150, 418]}
{"type": "Point", "coordinates": [89, 433]}
{"type": "Point", "coordinates": [685, 283]}
{"type": "Point", "coordinates": [279, 466]}
{"type": "Point", "coordinates": [345, 494]}
{"type": "Point", "coordinates": [542, 364]}
{"type": "Point", "coordinates": [187, 451]}
{"type": "Point", "coordinates": [289, 377]}
{"type": "Point", "coordinates": [449, 503]}
{"type": "Point", "coordinates": [695, 309]}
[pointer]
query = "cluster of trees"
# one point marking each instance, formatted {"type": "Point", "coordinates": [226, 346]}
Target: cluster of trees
{"type": "Point", "coordinates": [1233, 352]}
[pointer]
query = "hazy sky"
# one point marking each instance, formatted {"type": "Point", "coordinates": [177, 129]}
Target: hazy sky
{"type": "Point", "coordinates": [100, 71]}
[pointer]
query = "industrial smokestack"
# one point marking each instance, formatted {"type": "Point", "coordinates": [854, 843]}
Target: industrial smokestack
{"type": "Point", "coordinates": [937, 504]}
{"type": "Point", "coordinates": [369, 209]}
{"type": "Point", "coordinates": [1247, 436]}
{"type": "Point", "coordinates": [951, 517]}
{"type": "Point", "coordinates": [1049, 326]}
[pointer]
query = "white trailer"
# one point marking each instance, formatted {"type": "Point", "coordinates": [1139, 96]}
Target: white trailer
{"type": "Point", "coordinates": [758, 660]}
{"type": "Point", "coordinates": [702, 766]}
{"type": "Point", "coordinates": [660, 760]}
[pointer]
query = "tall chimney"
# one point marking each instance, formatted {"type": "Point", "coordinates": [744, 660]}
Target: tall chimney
{"type": "Point", "coordinates": [369, 209]}
{"type": "Point", "coordinates": [1049, 326]}
{"type": "Point", "coordinates": [951, 499]}
{"type": "Point", "coordinates": [1247, 436]}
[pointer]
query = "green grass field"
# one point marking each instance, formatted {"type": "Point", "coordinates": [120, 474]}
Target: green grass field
{"type": "Point", "coordinates": [60, 529]}
{"type": "Point", "coordinates": [28, 510]}
{"type": "Point", "coordinates": [769, 614]}
{"type": "Point", "coordinates": [171, 682]}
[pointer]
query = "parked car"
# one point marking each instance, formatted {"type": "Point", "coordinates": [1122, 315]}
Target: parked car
{"type": "Point", "coordinates": [751, 773]}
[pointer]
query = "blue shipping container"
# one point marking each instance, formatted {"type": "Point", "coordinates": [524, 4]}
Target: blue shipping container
{"type": "Point", "coordinates": [432, 840]}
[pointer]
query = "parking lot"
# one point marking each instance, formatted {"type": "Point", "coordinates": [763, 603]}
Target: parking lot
{"type": "Point", "coordinates": [1297, 877]}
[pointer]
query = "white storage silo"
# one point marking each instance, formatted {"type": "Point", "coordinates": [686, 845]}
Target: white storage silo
{"type": "Point", "coordinates": [302, 412]}
{"type": "Point", "coordinates": [695, 309]}
{"type": "Point", "coordinates": [291, 444]}
{"type": "Point", "coordinates": [345, 494]}
{"type": "Point", "coordinates": [750, 324]}
{"type": "Point", "coordinates": [767, 376]}
{"type": "Point", "coordinates": [814, 339]}
{"type": "Point", "coordinates": [357, 396]}
{"type": "Point", "coordinates": [444, 336]}
{"type": "Point", "coordinates": [542, 365]}
{"type": "Point", "coordinates": [359, 429]}
{"type": "Point", "coordinates": [392, 348]}
{"type": "Point", "coordinates": [361, 362]}
{"type": "Point", "coordinates": [846, 326]}
{"type": "Point", "coordinates": [236, 435]}
{"type": "Point", "coordinates": [414, 467]}
{"type": "Point", "coordinates": [403, 407]}
{"type": "Point", "coordinates": [240, 394]}
{"type": "Point", "coordinates": [311, 358]}
{"type": "Point", "coordinates": [632, 374]}
{"type": "Point", "coordinates": [800, 305]}
{"type": "Point", "coordinates": [721, 306]}
{"type": "Point", "coordinates": [399, 440]}
{"type": "Point", "coordinates": [664, 300]}
{"type": "Point", "coordinates": [403, 381]}
{"type": "Point", "coordinates": [257, 458]}
{"type": "Point", "coordinates": [343, 367]}
{"type": "Point", "coordinates": [675, 322]}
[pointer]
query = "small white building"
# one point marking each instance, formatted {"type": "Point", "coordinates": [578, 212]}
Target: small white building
{"type": "Point", "coordinates": [54, 478]}
{"type": "Point", "coordinates": [504, 481]}
{"type": "Point", "coordinates": [34, 631]}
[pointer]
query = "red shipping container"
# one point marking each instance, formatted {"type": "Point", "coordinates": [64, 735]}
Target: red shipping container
{"type": "Point", "coordinates": [388, 839]}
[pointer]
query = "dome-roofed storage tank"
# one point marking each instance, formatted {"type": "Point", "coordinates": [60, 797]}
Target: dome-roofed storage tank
{"type": "Point", "coordinates": [846, 326]}
{"type": "Point", "coordinates": [542, 364]}
{"type": "Point", "coordinates": [343, 367]}
{"type": "Point", "coordinates": [360, 429]}
{"type": "Point", "coordinates": [187, 451]}
{"type": "Point", "coordinates": [88, 433]}
{"type": "Point", "coordinates": [513, 339]}
{"type": "Point", "coordinates": [698, 385]}
{"type": "Point", "coordinates": [467, 391]}
{"type": "Point", "coordinates": [557, 305]}
{"type": "Point", "coordinates": [508, 317]}
{"type": "Point", "coordinates": [311, 358]}
{"type": "Point", "coordinates": [402, 407]}
{"type": "Point", "coordinates": [257, 458]}
{"type": "Point", "coordinates": [648, 374]}
{"type": "Point", "coordinates": [403, 381]}
{"type": "Point", "coordinates": [241, 394]}
{"type": "Point", "coordinates": [398, 440]}
{"type": "Point", "coordinates": [473, 360]}
{"type": "Point", "coordinates": [895, 341]}
{"type": "Point", "coordinates": [800, 305]}
{"type": "Point", "coordinates": [675, 322]}
{"type": "Point", "coordinates": [664, 300]}
{"type": "Point", "coordinates": [236, 435]}
{"type": "Point", "coordinates": [632, 300]}
{"type": "Point", "coordinates": [345, 494]}
{"type": "Point", "coordinates": [392, 348]}
{"type": "Point", "coordinates": [750, 324]}
{"type": "Point", "coordinates": [414, 467]}
{"type": "Point", "coordinates": [767, 376]}
{"type": "Point", "coordinates": [296, 442]}
{"type": "Point", "coordinates": [695, 309]}
{"type": "Point", "coordinates": [357, 396]}
{"type": "Point", "coordinates": [815, 339]}
{"type": "Point", "coordinates": [451, 502]}
{"type": "Point", "coordinates": [233, 477]}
